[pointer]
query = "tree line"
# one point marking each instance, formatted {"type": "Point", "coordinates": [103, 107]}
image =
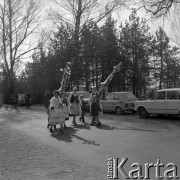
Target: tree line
{"type": "Point", "coordinates": [147, 60]}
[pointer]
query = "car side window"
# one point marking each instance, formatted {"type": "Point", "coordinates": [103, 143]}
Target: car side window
{"type": "Point", "coordinates": [160, 95]}
{"type": "Point", "coordinates": [109, 97]}
{"type": "Point", "coordinates": [116, 97]}
{"type": "Point", "coordinates": [172, 95]}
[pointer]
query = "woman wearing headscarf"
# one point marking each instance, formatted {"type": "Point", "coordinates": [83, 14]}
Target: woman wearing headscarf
{"type": "Point", "coordinates": [56, 113]}
{"type": "Point", "coordinates": [75, 102]}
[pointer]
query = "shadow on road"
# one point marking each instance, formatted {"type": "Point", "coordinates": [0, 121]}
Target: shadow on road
{"type": "Point", "coordinates": [107, 127]}
{"type": "Point", "coordinates": [71, 133]}
{"type": "Point", "coordinates": [83, 126]}
{"type": "Point", "coordinates": [164, 121]}
{"type": "Point", "coordinates": [137, 129]}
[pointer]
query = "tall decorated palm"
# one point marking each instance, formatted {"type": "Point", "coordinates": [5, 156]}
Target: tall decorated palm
{"type": "Point", "coordinates": [105, 83]}
{"type": "Point", "coordinates": [66, 76]}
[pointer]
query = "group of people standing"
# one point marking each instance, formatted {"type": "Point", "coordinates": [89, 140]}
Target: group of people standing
{"type": "Point", "coordinates": [61, 108]}
{"type": "Point", "coordinates": [16, 100]}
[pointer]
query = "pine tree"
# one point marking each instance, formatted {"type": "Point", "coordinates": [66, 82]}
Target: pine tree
{"type": "Point", "coordinates": [135, 44]}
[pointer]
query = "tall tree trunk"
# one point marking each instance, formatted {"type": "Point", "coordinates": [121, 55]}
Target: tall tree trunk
{"type": "Point", "coordinates": [76, 41]}
{"type": "Point", "coordinates": [11, 72]}
{"type": "Point", "coordinates": [134, 75]}
{"type": "Point", "coordinates": [96, 73]}
{"type": "Point", "coordinates": [87, 75]}
{"type": "Point", "coordinates": [161, 69]}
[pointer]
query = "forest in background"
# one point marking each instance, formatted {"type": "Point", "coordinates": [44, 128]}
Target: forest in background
{"type": "Point", "coordinates": [148, 61]}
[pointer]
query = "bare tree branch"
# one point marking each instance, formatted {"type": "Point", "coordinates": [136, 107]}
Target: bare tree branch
{"type": "Point", "coordinates": [18, 21]}
{"type": "Point", "coordinates": [83, 12]}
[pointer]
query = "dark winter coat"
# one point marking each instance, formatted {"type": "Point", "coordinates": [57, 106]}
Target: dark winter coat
{"type": "Point", "coordinates": [83, 108]}
{"type": "Point", "coordinates": [95, 109]}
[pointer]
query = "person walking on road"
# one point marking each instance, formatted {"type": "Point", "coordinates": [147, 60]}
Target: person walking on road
{"type": "Point", "coordinates": [75, 103]}
{"type": "Point", "coordinates": [95, 108]}
{"type": "Point", "coordinates": [83, 109]}
{"type": "Point", "coordinates": [27, 97]}
{"type": "Point", "coordinates": [55, 112]}
{"type": "Point", "coordinates": [15, 100]}
{"type": "Point", "coordinates": [96, 94]}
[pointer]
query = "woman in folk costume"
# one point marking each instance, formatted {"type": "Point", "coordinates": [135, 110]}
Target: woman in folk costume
{"type": "Point", "coordinates": [56, 112]}
{"type": "Point", "coordinates": [75, 102]}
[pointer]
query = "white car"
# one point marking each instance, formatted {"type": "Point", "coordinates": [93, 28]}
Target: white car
{"type": "Point", "coordinates": [86, 95]}
{"type": "Point", "coordinates": [119, 102]}
{"type": "Point", "coordinates": [165, 102]}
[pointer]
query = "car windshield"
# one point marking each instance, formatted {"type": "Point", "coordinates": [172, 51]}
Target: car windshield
{"type": "Point", "coordinates": [86, 94]}
{"type": "Point", "coordinates": [129, 97]}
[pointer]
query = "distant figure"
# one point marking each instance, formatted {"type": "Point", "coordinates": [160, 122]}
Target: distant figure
{"type": "Point", "coordinates": [47, 97]}
{"type": "Point", "coordinates": [27, 97]}
{"type": "Point", "coordinates": [15, 100]}
{"type": "Point", "coordinates": [0, 100]}
{"type": "Point", "coordinates": [11, 100]}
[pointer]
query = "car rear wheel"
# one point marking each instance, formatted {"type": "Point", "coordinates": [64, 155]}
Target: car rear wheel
{"type": "Point", "coordinates": [143, 113]}
{"type": "Point", "coordinates": [118, 111]}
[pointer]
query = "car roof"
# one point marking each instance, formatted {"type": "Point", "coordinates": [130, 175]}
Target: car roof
{"type": "Point", "coordinates": [170, 89]}
{"type": "Point", "coordinates": [83, 92]}
{"type": "Point", "coordinates": [77, 91]}
{"type": "Point", "coordinates": [122, 92]}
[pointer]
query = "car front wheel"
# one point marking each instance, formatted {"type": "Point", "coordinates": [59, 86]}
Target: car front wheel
{"type": "Point", "coordinates": [143, 113]}
{"type": "Point", "coordinates": [118, 111]}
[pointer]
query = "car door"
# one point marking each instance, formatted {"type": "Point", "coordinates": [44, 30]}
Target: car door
{"type": "Point", "coordinates": [158, 104]}
{"type": "Point", "coordinates": [107, 103]}
{"type": "Point", "coordinates": [116, 101]}
{"type": "Point", "coordinates": [172, 102]}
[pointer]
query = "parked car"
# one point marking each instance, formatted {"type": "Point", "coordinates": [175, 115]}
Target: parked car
{"type": "Point", "coordinates": [86, 95]}
{"type": "Point", "coordinates": [119, 102]}
{"type": "Point", "coordinates": [165, 102]}
{"type": "Point", "coordinates": [22, 100]}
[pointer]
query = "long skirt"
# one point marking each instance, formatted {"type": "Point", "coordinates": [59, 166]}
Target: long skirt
{"type": "Point", "coordinates": [75, 109]}
{"type": "Point", "coordinates": [56, 116]}
{"type": "Point", "coordinates": [66, 112]}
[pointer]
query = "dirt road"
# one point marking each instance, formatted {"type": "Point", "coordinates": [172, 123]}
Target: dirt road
{"type": "Point", "coordinates": [29, 152]}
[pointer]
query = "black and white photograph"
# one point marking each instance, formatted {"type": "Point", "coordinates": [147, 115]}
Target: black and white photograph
{"type": "Point", "coordinates": [89, 89]}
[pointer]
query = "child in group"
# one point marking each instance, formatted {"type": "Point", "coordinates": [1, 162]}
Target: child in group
{"type": "Point", "coordinates": [66, 110]}
{"type": "Point", "coordinates": [83, 108]}
{"type": "Point", "coordinates": [95, 108]}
